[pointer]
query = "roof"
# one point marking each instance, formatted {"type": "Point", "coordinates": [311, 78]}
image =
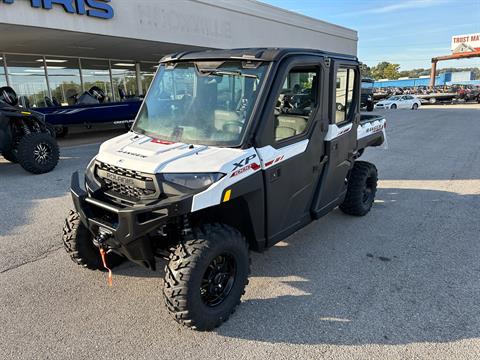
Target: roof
{"type": "Point", "coordinates": [253, 54]}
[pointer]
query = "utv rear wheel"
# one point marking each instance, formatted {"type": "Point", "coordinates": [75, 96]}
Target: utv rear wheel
{"type": "Point", "coordinates": [362, 187]}
{"type": "Point", "coordinates": [38, 153]}
{"type": "Point", "coordinates": [78, 242]}
{"type": "Point", "coordinates": [206, 277]}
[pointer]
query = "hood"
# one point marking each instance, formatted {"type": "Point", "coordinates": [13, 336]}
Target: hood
{"type": "Point", "coordinates": [145, 154]}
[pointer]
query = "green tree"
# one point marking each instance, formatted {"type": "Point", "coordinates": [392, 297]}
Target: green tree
{"type": "Point", "coordinates": [366, 71]}
{"type": "Point", "coordinates": [386, 70]}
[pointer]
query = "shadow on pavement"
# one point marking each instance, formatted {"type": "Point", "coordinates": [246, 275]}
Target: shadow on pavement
{"type": "Point", "coordinates": [20, 190]}
{"type": "Point", "coordinates": [407, 272]}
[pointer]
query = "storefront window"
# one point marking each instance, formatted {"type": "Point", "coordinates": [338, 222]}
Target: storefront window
{"type": "Point", "coordinates": [97, 73]}
{"type": "Point", "coordinates": [147, 72]}
{"type": "Point", "coordinates": [64, 80]}
{"type": "Point", "coordinates": [3, 79]}
{"type": "Point", "coordinates": [27, 78]}
{"type": "Point", "coordinates": [124, 80]}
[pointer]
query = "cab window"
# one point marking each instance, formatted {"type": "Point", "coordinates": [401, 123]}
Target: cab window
{"type": "Point", "coordinates": [296, 102]}
{"type": "Point", "coordinates": [345, 93]}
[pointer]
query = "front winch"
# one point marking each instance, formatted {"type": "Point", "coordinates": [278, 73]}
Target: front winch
{"type": "Point", "coordinates": [100, 242]}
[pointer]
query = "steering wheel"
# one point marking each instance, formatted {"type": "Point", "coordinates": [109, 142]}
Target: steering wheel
{"type": "Point", "coordinates": [232, 123]}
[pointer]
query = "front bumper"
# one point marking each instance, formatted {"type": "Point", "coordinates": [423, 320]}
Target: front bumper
{"type": "Point", "coordinates": [127, 227]}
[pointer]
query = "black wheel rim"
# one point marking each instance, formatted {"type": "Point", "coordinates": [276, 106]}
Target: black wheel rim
{"type": "Point", "coordinates": [42, 153]}
{"type": "Point", "coordinates": [218, 280]}
{"type": "Point", "coordinates": [368, 192]}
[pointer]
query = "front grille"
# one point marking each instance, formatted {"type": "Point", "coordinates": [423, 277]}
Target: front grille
{"type": "Point", "coordinates": [126, 184]}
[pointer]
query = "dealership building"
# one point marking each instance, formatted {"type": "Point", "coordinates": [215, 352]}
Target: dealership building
{"type": "Point", "coordinates": [53, 49]}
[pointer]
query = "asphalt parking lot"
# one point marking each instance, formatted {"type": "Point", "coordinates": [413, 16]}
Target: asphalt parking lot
{"type": "Point", "coordinates": [402, 282]}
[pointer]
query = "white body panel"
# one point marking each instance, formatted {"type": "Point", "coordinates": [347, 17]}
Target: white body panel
{"type": "Point", "coordinates": [147, 155]}
{"type": "Point", "coordinates": [144, 154]}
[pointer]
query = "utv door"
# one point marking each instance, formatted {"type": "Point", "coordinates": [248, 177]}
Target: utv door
{"type": "Point", "coordinates": [291, 138]}
{"type": "Point", "coordinates": [341, 139]}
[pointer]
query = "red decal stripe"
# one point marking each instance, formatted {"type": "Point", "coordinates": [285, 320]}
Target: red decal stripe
{"type": "Point", "coordinates": [162, 142]}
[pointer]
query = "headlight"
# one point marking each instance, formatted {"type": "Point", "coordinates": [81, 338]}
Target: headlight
{"type": "Point", "coordinates": [194, 181]}
{"type": "Point", "coordinates": [91, 182]}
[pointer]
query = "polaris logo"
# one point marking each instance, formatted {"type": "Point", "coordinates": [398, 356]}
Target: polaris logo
{"type": "Point", "coordinates": [93, 8]}
{"type": "Point", "coordinates": [119, 179]}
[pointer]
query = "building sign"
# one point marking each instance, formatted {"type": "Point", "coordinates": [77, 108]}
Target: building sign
{"type": "Point", "coordinates": [466, 43]}
{"type": "Point", "coordinates": [93, 8]}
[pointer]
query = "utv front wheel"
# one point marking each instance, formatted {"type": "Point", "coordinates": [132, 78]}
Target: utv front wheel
{"type": "Point", "coordinates": [78, 242]}
{"type": "Point", "coordinates": [361, 190]}
{"type": "Point", "coordinates": [206, 276]}
{"type": "Point", "coordinates": [38, 153]}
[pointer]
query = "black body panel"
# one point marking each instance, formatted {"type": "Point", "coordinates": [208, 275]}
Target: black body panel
{"type": "Point", "coordinates": [8, 115]}
{"type": "Point", "coordinates": [127, 227]}
{"type": "Point", "coordinates": [289, 185]}
{"type": "Point", "coordinates": [332, 187]}
{"type": "Point", "coordinates": [5, 133]}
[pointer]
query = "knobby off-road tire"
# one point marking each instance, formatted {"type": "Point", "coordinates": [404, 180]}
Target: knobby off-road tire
{"type": "Point", "coordinates": [11, 156]}
{"type": "Point", "coordinates": [206, 277]}
{"type": "Point", "coordinates": [38, 153]}
{"type": "Point", "coordinates": [77, 240]}
{"type": "Point", "coordinates": [361, 190]}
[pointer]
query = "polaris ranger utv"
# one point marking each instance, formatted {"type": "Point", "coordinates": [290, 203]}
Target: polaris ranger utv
{"type": "Point", "coordinates": [25, 137]}
{"type": "Point", "coordinates": [232, 150]}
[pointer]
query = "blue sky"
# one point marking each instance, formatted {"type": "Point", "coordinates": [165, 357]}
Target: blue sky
{"type": "Point", "coordinates": [407, 32]}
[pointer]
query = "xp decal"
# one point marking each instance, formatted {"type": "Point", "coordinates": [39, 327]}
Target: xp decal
{"type": "Point", "coordinates": [92, 8]}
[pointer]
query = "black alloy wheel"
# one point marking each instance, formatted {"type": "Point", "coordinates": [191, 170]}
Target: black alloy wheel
{"type": "Point", "coordinates": [218, 280]}
{"type": "Point", "coordinates": [42, 153]}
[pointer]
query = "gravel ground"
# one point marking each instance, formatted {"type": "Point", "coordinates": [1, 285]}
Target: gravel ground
{"type": "Point", "coordinates": [401, 283]}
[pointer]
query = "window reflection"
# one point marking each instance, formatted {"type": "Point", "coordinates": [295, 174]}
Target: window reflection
{"type": "Point", "coordinates": [96, 73]}
{"type": "Point", "coordinates": [3, 79]}
{"type": "Point", "coordinates": [27, 78]}
{"type": "Point", "coordinates": [124, 80]}
{"type": "Point", "coordinates": [64, 80]}
{"type": "Point", "coordinates": [147, 72]}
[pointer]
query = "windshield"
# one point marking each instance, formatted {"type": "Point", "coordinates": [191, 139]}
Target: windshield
{"type": "Point", "coordinates": [394, 98]}
{"type": "Point", "coordinates": [205, 103]}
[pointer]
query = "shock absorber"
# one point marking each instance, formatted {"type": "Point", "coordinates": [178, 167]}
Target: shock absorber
{"type": "Point", "coordinates": [186, 232]}
{"type": "Point", "coordinates": [25, 128]}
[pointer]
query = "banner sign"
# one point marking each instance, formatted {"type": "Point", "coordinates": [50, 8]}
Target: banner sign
{"type": "Point", "coordinates": [466, 43]}
{"type": "Point", "coordinates": [92, 8]}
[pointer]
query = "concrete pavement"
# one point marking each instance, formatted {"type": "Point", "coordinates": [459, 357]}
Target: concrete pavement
{"type": "Point", "coordinates": [402, 282]}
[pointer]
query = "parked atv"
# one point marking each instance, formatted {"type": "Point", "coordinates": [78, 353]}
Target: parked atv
{"type": "Point", "coordinates": [224, 158]}
{"type": "Point", "coordinates": [25, 138]}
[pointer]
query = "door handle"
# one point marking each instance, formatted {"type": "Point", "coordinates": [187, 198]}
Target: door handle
{"type": "Point", "coordinates": [275, 175]}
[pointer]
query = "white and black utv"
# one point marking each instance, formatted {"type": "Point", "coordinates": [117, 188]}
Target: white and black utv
{"type": "Point", "coordinates": [25, 137]}
{"type": "Point", "coordinates": [232, 151]}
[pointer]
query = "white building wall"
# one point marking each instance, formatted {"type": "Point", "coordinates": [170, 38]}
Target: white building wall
{"type": "Point", "coordinates": [205, 23]}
